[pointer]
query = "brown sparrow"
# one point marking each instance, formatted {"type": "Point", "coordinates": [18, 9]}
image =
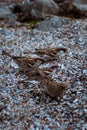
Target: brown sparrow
{"type": "Point", "coordinates": [24, 62]}
{"type": "Point", "coordinates": [50, 51]}
{"type": "Point", "coordinates": [51, 87]}
{"type": "Point", "coordinates": [32, 73]}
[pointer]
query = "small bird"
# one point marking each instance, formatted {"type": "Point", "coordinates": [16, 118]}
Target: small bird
{"type": "Point", "coordinates": [25, 62]}
{"type": "Point", "coordinates": [51, 87]}
{"type": "Point", "coordinates": [50, 51]}
{"type": "Point", "coordinates": [51, 58]}
{"type": "Point", "coordinates": [32, 73]}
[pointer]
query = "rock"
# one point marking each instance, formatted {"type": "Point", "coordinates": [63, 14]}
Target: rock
{"type": "Point", "coordinates": [54, 22]}
{"type": "Point", "coordinates": [22, 10]}
{"type": "Point", "coordinates": [73, 8]}
{"type": "Point", "coordinates": [46, 6]}
{"type": "Point", "coordinates": [59, 7]}
{"type": "Point", "coordinates": [81, 5]}
{"type": "Point", "coordinates": [37, 10]}
{"type": "Point", "coordinates": [37, 15]}
{"type": "Point", "coordinates": [34, 10]}
{"type": "Point", "coordinates": [20, 7]}
{"type": "Point", "coordinates": [6, 14]}
{"type": "Point", "coordinates": [41, 9]}
{"type": "Point", "coordinates": [82, 8]}
{"type": "Point", "coordinates": [85, 72]}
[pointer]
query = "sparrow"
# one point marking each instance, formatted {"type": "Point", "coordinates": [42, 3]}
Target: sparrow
{"type": "Point", "coordinates": [24, 62]}
{"type": "Point", "coordinates": [50, 51]}
{"type": "Point", "coordinates": [51, 58]}
{"type": "Point", "coordinates": [32, 73]}
{"type": "Point", "coordinates": [51, 87]}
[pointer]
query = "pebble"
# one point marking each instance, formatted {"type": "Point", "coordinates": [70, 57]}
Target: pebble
{"type": "Point", "coordinates": [46, 128]}
{"type": "Point", "coordinates": [85, 111]}
{"type": "Point", "coordinates": [32, 127]}
{"type": "Point", "coordinates": [84, 127]}
{"type": "Point", "coordinates": [80, 39]}
{"type": "Point", "coordinates": [14, 65]}
{"type": "Point", "coordinates": [85, 72]}
{"type": "Point", "coordinates": [76, 101]}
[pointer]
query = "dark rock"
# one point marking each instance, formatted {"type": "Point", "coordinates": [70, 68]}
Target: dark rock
{"type": "Point", "coordinates": [46, 6]}
{"type": "Point", "coordinates": [37, 15]}
{"type": "Point", "coordinates": [72, 9]}
{"type": "Point", "coordinates": [39, 10]}
{"type": "Point", "coordinates": [34, 10]}
{"type": "Point", "coordinates": [81, 5]}
{"type": "Point", "coordinates": [82, 8]}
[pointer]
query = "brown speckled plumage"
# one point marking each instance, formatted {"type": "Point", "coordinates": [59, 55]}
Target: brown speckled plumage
{"type": "Point", "coordinates": [50, 51]}
{"type": "Point", "coordinates": [51, 87]}
{"type": "Point", "coordinates": [25, 62]}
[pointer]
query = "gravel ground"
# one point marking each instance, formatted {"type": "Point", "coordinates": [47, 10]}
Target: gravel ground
{"type": "Point", "coordinates": [25, 106]}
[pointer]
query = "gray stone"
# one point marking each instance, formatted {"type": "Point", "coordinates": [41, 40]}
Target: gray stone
{"type": "Point", "coordinates": [54, 22]}
{"type": "Point", "coordinates": [6, 13]}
